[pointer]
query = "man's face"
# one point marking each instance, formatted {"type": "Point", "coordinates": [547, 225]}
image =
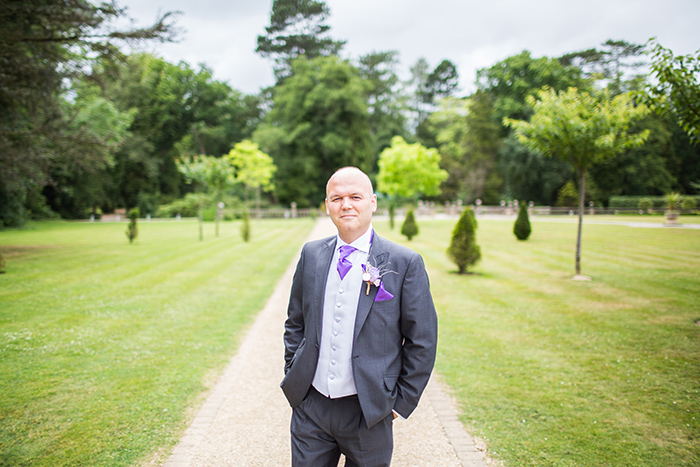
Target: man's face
{"type": "Point", "coordinates": [350, 203]}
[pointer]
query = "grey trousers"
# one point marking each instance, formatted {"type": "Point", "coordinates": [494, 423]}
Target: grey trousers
{"type": "Point", "coordinates": [324, 428]}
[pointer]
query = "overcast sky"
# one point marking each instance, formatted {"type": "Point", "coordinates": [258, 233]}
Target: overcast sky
{"type": "Point", "coordinates": [472, 34]}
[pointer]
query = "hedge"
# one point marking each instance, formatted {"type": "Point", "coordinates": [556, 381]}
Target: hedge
{"type": "Point", "coordinates": [632, 202]}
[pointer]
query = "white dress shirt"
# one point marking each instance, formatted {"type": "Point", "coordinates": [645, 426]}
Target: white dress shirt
{"type": "Point", "coordinates": [333, 376]}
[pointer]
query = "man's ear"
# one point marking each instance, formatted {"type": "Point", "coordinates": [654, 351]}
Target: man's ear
{"type": "Point", "coordinates": [328, 213]}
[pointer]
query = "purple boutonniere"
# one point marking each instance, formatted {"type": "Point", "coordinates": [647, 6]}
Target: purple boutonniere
{"type": "Point", "coordinates": [372, 275]}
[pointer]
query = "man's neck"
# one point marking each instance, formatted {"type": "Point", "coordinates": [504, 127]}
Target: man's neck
{"type": "Point", "coordinates": [353, 238]}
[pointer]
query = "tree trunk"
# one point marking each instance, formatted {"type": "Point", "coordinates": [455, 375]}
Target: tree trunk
{"type": "Point", "coordinates": [218, 215]}
{"type": "Point", "coordinates": [581, 194]}
{"type": "Point", "coordinates": [201, 218]}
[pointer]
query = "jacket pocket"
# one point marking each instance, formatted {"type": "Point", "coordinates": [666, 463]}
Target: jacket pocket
{"type": "Point", "coordinates": [390, 382]}
{"type": "Point", "coordinates": [296, 354]}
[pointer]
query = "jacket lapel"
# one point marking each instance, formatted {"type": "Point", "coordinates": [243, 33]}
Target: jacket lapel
{"type": "Point", "coordinates": [378, 256]}
{"type": "Point", "coordinates": [321, 268]}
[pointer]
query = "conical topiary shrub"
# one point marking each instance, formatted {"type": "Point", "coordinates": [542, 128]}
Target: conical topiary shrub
{"type": "Point", "coordinates": [463, 250]}
{"type": "Point", "coordinates": [131, 230]}
{"type": "Point", "coordinates": [409, 228]}
{"type": "Point", "coordinates": [522, 228]}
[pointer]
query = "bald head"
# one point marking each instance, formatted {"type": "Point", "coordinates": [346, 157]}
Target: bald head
{"type": "Point", "coordinates": [350, 202]}
{"type": "Point", "coordinates": [351, 174]}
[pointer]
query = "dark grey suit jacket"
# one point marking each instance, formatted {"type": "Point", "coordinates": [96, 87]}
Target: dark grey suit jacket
{"type": "Point", "coordinates": [394, 340]}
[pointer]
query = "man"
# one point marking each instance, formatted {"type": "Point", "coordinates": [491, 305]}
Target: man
{"type": "Point", "coordinates": [360, 335]}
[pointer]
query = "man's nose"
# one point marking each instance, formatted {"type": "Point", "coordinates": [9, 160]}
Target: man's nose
{"type": "Point", "coordinates": [346, 203]}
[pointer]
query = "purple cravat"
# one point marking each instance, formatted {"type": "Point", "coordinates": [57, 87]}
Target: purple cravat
{"type": "Point", "coordinates": [344, 263]}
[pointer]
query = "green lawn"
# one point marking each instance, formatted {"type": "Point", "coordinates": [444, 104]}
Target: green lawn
{"type": "Point", "coordinates": [106, 347]}
{"type": "Point", "coordinates": [555, 372]}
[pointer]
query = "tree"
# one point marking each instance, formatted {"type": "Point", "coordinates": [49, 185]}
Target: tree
{"type": "Point", "coordinates": [469, 142]}
{"type": "Point", "coordinates": [576, 127]}
{"type": "Point", "coordinates": [253, 168]}
{"type": "Point", "coordinates": [297, 27]}
{"type": "Point", "coordinates": [463, 250]}
{"type": "Point", "coordinates": [568, 196]}
{"type": "Point", "coordinates": [443, 81]}
{"type": "Point", "coordinates": [409, 229]}
{"type": "Point", "coordinates": [677, 90]}
{"type": "Point", "coordinates": [614, 65]}
{"type": "Point", "coordinates": [522, 228]}
{"type": "Point", "coordinates": [385, 102]}
{"type": "Point", "coordinates": [80, 185]}
{"type": "Point", "coordinates": [207, 173]}
{"type": "Point", "coordinates": [419, 84]}
{"type": "Point", "coordinates": [512, 80]}
{"type": "Point", "coordinates": [319, 123]}
{"type": "Point", "coordinates": [44, 45]}
{"type": "Point", "coordinates": [219, 178]}
{"type": "Point", "coordinates": [408, 170]}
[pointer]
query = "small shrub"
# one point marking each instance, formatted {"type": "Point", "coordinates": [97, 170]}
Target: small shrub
{"type": "Point", "coordinates": [131, 230]}
{"type": "Point", "coordinates": [245, 226]}
{"type": "Point", "coordinates": [646, 205]}
{"type": "Point", "coordinates": [409, 229]}
{"type": "Point", "coordinates": [2, 264]}
{"type": "Point", "coordinates": [688, 204]}
{"type": "Point", "coordinates": [522, 228]}
{"type": "Point", "coordinates": [568, 195]}
{"type": "Point", "coordinates": [463, 250]}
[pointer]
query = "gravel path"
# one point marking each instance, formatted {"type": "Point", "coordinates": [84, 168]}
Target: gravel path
{"type": "Point", "coordinates": [245, 420]}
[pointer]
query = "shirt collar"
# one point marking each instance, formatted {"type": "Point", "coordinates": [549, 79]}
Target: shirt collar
{"type": "Point", "coordinates": [362, 243]}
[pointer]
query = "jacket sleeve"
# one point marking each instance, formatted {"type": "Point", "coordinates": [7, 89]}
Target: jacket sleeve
{"type": "Point", "coordinates": [294, 324]}
{"type": "Point", "coordinates": [419, 329]}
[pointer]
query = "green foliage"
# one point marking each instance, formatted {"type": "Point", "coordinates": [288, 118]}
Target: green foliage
{"type": "Point", "coordinates": [528, 174]}
{"type": "Point", "coordinates": [581, 130]}
{"type": "Point", "coordinates": [676, 88]}
{"type": "Point", "coordinates": [409, 228]}
{"type": "Point", "coordinates": [522, 228]}
{"type": "Point", "coordinates": [245, 226]}
{"type": "Point", "coordinates": [614, 67]}
{"type": "Point", "coordinates": [319, 123]}
{"type": "Point", "coordinates": [641, 170]}
{"type": "Point", "coordinates": [578, 128]}
{"type": "Point", "coordinates": [45, 47]}
{"type": "Point", "coordinates": [518, 78]}
{"type": "Point", "coordinates": [688, 203]}
{"type": "Point", "coordinates": [132, 230]}
{"type": "Point", "coordinates": [673, 199]}
{"type": "Point", "coordinates": [645, 204]}
{"type": "Point", "coordinates": [408, 170]}
{"type": "Point", "coordinates": [463, 250]}
{"type": "Point", "coordinates": [297, 27]}
{"type": "Point", "coordinates": [469, 139]}
{"type": "Point", "coordinates": [385, 98]}
{"type": "Point", "coordinates": [568, 195]}
{"type": "Point", "coordinates": [253, 167]}
{"type": "Point", "coordinates": [632, 202]}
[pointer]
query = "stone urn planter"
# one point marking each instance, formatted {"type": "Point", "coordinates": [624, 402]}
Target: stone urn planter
{"type": "Point", "coordinates": [672, 217]}
{"type": "Point", "coordinates": [671, 214]}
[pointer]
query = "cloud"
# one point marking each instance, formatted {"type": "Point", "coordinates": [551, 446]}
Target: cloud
{"type": "Point", "coordinates": [472, 34]}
